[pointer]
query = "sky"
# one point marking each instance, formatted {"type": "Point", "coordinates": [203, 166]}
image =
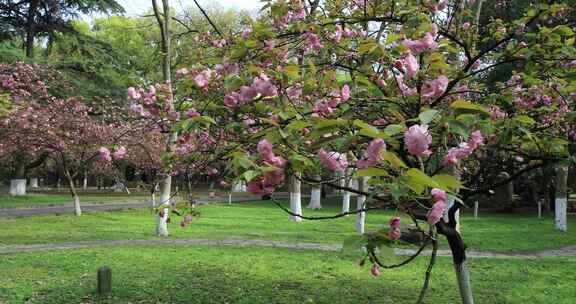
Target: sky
{"type": "Point", "coordinates": [136, 7]}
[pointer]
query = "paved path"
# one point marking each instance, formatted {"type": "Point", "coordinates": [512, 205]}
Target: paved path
{"type": "Point", "coordinates": [12, 249]}
{"type": "Point", "coordinates": [69, 209]}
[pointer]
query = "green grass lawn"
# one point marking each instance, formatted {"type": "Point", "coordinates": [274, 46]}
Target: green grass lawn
{"type": "Point", "coordinates": [263, 220]}
{"type": "Point", "coordinates": [62, 198]}
{"type": "Point", "coordinates": [266, 275]}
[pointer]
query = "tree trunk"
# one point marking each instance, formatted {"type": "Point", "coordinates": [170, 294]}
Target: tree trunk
{"type": "Point", "coordinates": [165, 35]}
{"type": "Point", "coordinates": [34, 182]}
{"type": "Point", "coordinates": [463, 277]}
{"type": "Point", "coordinates": [315, 195]}
{"type": "Point", "coordinates": [561, 199]}
{"type": "Point", "coordinates": [346, 194]}
{"type": "Point", "coordinates": [75, 197]}
{"type": "Point", "coordinates": [18, 183]}
{"type": "Point", "coordinates": [360, 204]}
{"type": "Point", "coordinates": [295, 198]}
{"type": "Point", "coordinates": [31, 28]}
{"type": "Point", "coordinates": [85, 181]}
{"type": "Point", "coordinates": [162, 222]}
{"type": "Point", "coordinates": [18, 187]}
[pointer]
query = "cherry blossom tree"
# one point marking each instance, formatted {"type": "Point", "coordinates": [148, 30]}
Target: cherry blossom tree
{"type": "Point", "coordinates": [395, 92]}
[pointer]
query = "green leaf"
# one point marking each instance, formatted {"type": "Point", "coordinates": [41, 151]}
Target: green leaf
{"type": "Point", "coordinates": [394, 160]}
{"type": "Point", "coordinates": [297, 125]}
{"type": "Point", "coordinates": [524, 119]}
{"type": "Point", "coordinates": [249, 175]}
{"type": "Point", "coordinates": [427, 116]}
{"type": "Point", "coordinates": [371, 172]}
{"type": "Point", "coordinates": [232, 83]}
{"type": "Point", "coordinates": [468, 106]}
{"type": "Point", "coordinates": [394, 129]}
{"type": "Point", "coordinates": [418, 180]}
{"type": "Point", "coordinates": [292, 71]}
{"type": "Point", "coordinates": [448, 182]}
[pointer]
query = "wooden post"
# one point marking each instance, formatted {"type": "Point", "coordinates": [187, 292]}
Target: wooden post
{"type": "Point", "coordinates": [230, 198]}
{"type": "Point", "coordinates": [104, 281]}
{"type": "Point", "coordinates": [475, 209]}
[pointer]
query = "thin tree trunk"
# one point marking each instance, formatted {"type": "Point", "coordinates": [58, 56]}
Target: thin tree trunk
{"type": "Point", "coordinates": [75, 197]}
{"type": "Point", "coordinates": [18, 183]}
{"type": "Point", "coordinates": [315, 195]}
{"type": "Point", "coordinates": [360, 204]}
{"type": "Point", "coordinates": [85, 181]}
{"type": "Point", "coordinates": [561, 199]}
{"type": "Point", "coordinates": [31, 28]}
{"type": "Point", "coordinates": [346, 194]}
{"type": "Point", "coordinates": [295, 198]}
{"type": "Point", "coordinates": [463, 277]}
{"type": "Point", "coordinates": [165, 35]}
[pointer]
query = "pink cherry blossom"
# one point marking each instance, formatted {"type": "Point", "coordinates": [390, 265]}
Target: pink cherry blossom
{"type": "Point", "coordinates": [373, 154]}
{"type": "Point", "coordinates": [202, 79]}
{"type": "Point", "coordinates": [465, 25]}
{"type": "Point", "coordinates": [263, 86]}
{"type": "Point", "coordinates": [411, 64]}
{"type": "Point", "coordinates": [464, 149]}
{"type": "Point", "coordinates": [406, 91]}
{"type": "Point", "coordinates": [120, 152]}
{"type": "Point", "coordinates": [395, 222]}
{"type": "Point", "coordinates": [333, 160]}
{"type": "Point", "coordinates": [435, 214]}
{"type": "Point", "coordinates": [375, 270]}
{"type": "Point", "coordinates": [104, 154]}
{"type": "Point", "coordinates": [313, 43]}
{"type": "Point", "coordinates": [417, 140]}
{"type": "Point", "coordinates": [265, 148]}
{"type": "Point", "coordinates": [231, 100]}
{"type": "Point", "coordinates": [134, 94]}
{"type": "Point", "coordinates": [345, 94]}
{"type": "Point", "coordinates": [394, 234]}
{"type": "Point", "coordinates": [418, 46]}
{"type": "Point", "coordinates": [434, 88]}
{"type": "Point", "coordinates": [246, 32]}
{"type": "Point", "coordinates": [247, 94]}
{"type": "Point", "coordinates": [438, 194]}
{"type": "Point", "coordinates": [191, 113]}
{"type": "Point", "coordinates": [338, 33]}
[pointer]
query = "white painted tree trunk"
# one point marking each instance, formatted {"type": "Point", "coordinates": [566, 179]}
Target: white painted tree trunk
{"type": "Point", "coordinates": [561, 199]}
{"type": "Point", "coordinates": [75, 197]}
{"type": "Point", "coordinates": [18, 187]}
{"type": "Point", "coordinates": [346, 194]}
{"type": "Point", "coordinates": [162, 223]}
{"type": "Point", "coordinates": [33, 182]}
{"type": "Point", "coordinates": [85, 182]}
{"type": "Point", "coordinates": [77, 208]}
{"type": "Point", "coordinates": [450, 200]}
{"type": "Point", "coordinates": [360, 204]}
{"type": "Point", "coordinates": [463, 277]}
{"type": "Point", "coordinates": [238, 187]}
{"type": "Point", "coordinates": [153, 199]}
{"type": "Point", "coordinates": [315, 195]}
{"type": "Point", "coordinates": [295, 198]}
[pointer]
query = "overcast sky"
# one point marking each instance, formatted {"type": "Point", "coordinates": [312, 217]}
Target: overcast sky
{"type": "Point", "coordinates": [135, 7]}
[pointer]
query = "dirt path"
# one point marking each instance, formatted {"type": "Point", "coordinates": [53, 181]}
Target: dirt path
{"type": "Point", "coordinates": [69, 209]}
{"type": "Point", "coordinates": [13, 249]}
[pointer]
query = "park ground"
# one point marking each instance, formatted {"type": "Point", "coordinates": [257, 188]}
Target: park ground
{"type": "Point", "coordinates": [156, 273]}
